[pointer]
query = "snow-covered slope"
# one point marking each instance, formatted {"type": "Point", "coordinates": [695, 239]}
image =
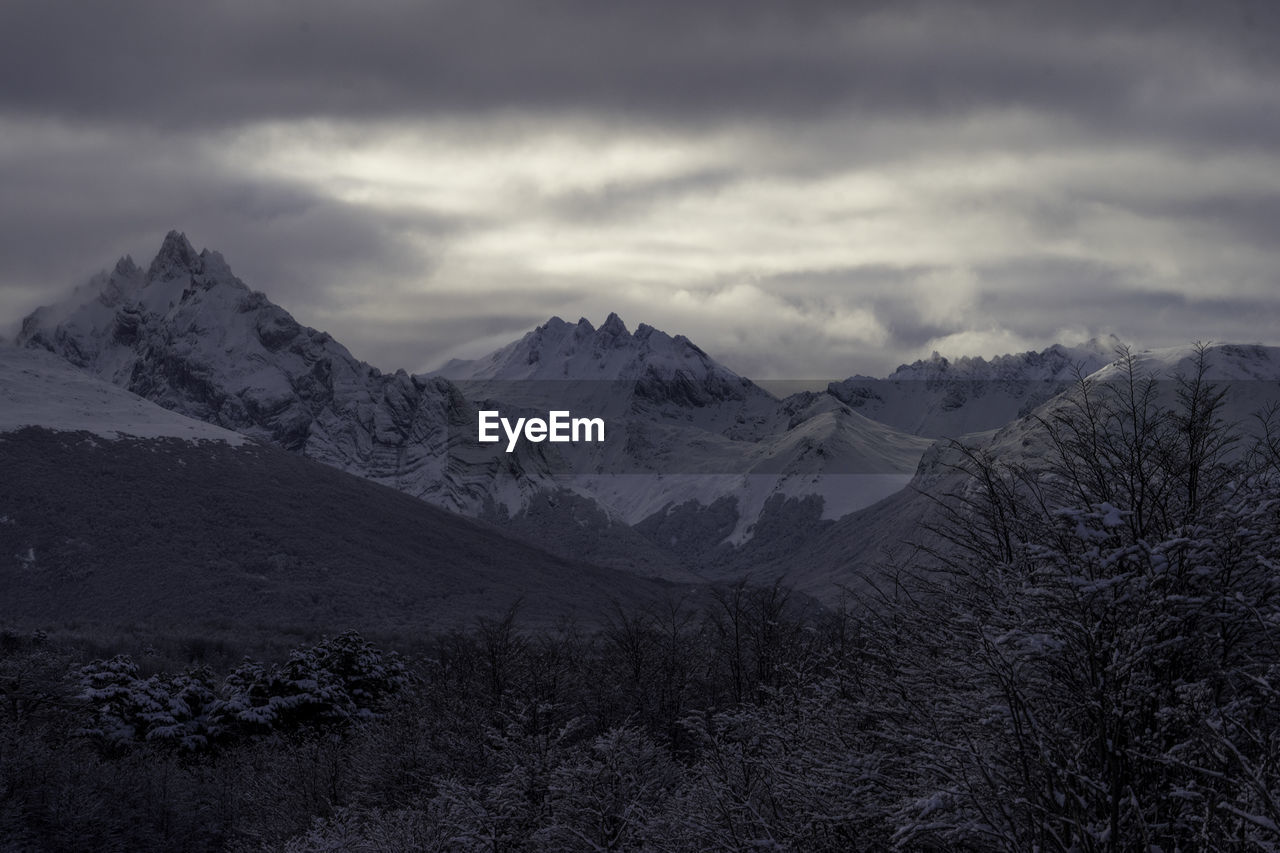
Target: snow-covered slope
{"type": "Point", "coordinates": [39, 389]}
{"type": "Point", "coordinates": [1229, 363]}
{"type": "Point", "coordinates": [941, 397]}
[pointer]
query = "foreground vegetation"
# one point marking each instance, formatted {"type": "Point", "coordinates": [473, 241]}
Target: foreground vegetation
{"type": "Point", "coordinates": [1087, 657]}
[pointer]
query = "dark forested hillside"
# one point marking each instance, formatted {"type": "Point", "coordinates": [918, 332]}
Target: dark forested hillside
{"type": "Point", "coordinates": [166, 533]}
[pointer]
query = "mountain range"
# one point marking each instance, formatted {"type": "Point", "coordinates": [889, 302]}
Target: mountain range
{"type": "Point", "coordinates": [188, 335]}
{"type": "Point", "coordinates": [942, 398]}
{"type": "Point", "coordinates": [704, 476]}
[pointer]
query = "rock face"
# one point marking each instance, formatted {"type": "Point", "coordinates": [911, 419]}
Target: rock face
{"type": "Point", "coordinates": [190, 336]}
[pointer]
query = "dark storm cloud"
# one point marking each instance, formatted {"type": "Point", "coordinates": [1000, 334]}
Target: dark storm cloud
{"type": "Point", "coordinates": [1041, 295]}
{"type": "Point", "coordinates": [1251, 218]}
{"type": "Point", "coordinates": [213, 64]}
{"type": "Point", "coordinates": [1060, 278]}
{"type": "Point", "coordinates": [908, 328]}
{"type": "Point", "coordinates": [891, 293]}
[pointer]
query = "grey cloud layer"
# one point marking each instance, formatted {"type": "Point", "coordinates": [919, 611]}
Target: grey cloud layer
{"type": "Point", "coordinates": [225, 62]}
{"type": "Point", "coordinates": [806, 188]}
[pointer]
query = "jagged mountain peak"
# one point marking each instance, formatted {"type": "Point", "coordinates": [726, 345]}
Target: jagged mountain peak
{"type": "Point", "coordinates": [213, 264]}
{"type": "Point", "coordinates": [1055, 362]}
{"type": "Point", "coordinates": [126, 267]}
{"type": "Point", "coordinates": [614, 326]}
{"type": "Point", "coordinates": [176, 257]}
{"type": "Point", "coordinates": [944, 396]}
{"type": "Point", "coordinates": [186, 301]}
{"type": "Point", "coordinates": [178, 260]}
{"type": "Point", "coordinates": [579, 351]}
{"type": "Point", "coordinates": [184, 293]}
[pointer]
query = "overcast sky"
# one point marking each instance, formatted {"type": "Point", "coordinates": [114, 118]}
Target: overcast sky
{"type": "Point", "coordinates": [805, 189]}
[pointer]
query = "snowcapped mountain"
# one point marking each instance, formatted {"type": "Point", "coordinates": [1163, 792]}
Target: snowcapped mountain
{"type": "Point", "coordinates": [693, 434]}
{"type": "Point", "coordinates": [558, 350]}
{"type": "Point", "coordinates": [611, 371]}
{"type": "Point", "coordinates": [1247, 375]}
{"type": "Point", "coordinates": [941, 397]}
{"type": "Point", "coordinates": [187, 334]}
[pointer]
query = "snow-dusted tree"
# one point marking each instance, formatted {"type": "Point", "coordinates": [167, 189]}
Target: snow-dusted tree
{"type": "Point", "coordinates": [608, 796]}
{"type": "Point", "coordinates": [1093, 668]}
{"type": "Point", "coordinates": [502, 804]}
{"type": "Point", "coordinates": [244, 705]}
{"type": "Point", "coordinates": [32, 683]}
{"type": "Point", "coordinates": [371, 831]}
{"type": "Point", "coordinates": [331, 683]}
{"type": "Point", "coordinates": [125, 709]}
{"type": "Point", "coordinates": [113, 692]}
{"type": "Point", "coordinates": [179, 713]}
{"type": "Point", "coordinates": [801, 770]}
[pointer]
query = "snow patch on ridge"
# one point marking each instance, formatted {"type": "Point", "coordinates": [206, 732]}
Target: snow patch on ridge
{"type": "Point", "coordinates": [39, 389]}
